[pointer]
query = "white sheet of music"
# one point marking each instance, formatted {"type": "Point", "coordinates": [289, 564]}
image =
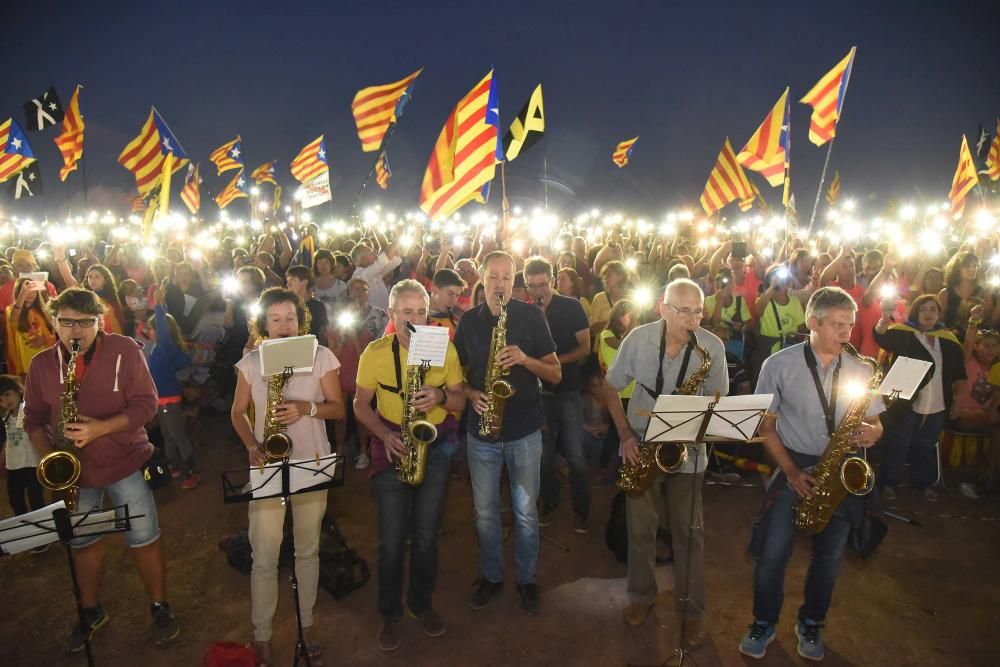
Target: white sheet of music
{"type": "Point", "coordinates": [678, 418]}
{"type": "Point", "coordinates": [428, 344]}
{"type": "Point", "coordinates": [303, 474]}
{"type": "Point", "coordinates": [299, 352]}
{"type": "Point", "coordinates": [904, 377]}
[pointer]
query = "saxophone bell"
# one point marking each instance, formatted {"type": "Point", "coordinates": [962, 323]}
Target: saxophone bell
{"type": "Point", "coordinates": [671, 456]}
{"type": "Point", "coordinates": [857, 476]}
{"type": "Point", "coordinates": [59, 470]}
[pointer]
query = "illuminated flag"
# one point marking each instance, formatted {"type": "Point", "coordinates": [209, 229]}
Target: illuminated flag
{"type": "Point", "coordinates": [465, 154]}
{"type": "Point", "coordinates": [43, 111]}
{"type": "Point", "coordinates": [827, 100]}
{"type": "Point", "coordinates": [993, 158]}
{"type": "Point", "coordinates": [527, 128]}
{"type": "Point", "coordinates": [265, 173]}
{"type": "Point", "coordinates": [315, 192]}
{"type": "Point", "coordinates": [191, 192]}
{"type": "Point", "coordinates": [965, 179]}
{"type": "Point", "coordinates": [139, 204]}
{"type": "Point", "coordinates": [375, 107]}
{"type": "Point", "coordinates": [15, 152]}
{"type": "Point", "coordinates": [27, 183]}
{"type": "Point", "coordinates": [228, 156]}
{"type": "Point", "coordinates": [144, 156]}
{"type": "Point", "coordinates": [311, 161]}
{"type": "Point", "coordinates": [622, 152]}
{"type": "Point", "coordinates": [834, 191]}
{"type": "Point", "coordinates": [70, 140]}
{"type": "Point", "coordinates": [766, 151]}
{"type": "Point", "coordinates": [382, 172]}
{"type": "Point", "coordinates": [236, 189]}
{"type": "Point", "coordinates": [726, 182]}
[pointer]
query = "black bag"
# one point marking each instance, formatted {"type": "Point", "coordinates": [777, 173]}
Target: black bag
{"type": "Point", "coordinates": [341, 569]}
{"type": "Point", "coordinates": [864, 539]}
{"type": "Point", "coordinates": [616, 532]}
{"type": "Point", "coordinates": [239, 553]}
{"type": "Point", "coordinates": [156, 471]}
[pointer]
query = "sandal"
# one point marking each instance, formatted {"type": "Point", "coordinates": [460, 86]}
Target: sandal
{"type": "Point", "coordinates": [315, 649]}
{"type": "Point", "coordinates": [263, 652]}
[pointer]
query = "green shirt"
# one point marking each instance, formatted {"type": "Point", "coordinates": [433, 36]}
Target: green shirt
{"type": "Point", "coordinates": [790, 318]}
{"type": "Point", "coordinates": [728, 312]}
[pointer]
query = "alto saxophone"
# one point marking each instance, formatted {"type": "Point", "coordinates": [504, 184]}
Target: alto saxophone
{"type": "Point", "coordinates": [416, 432]}
{"type": "Point", "coordinates": [654, 457]}
{"type": "Point", "coordinates": [59, 470]}
{"type": "Point", "coordinates": [277, 445]}
{"type": "Point", "coordinates": [840, 470]}
{"type": "Point", "coordinates": [497, 389]}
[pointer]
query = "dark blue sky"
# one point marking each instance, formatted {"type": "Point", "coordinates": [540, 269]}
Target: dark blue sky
{"type": "Point", "coordinates": [680, 76]}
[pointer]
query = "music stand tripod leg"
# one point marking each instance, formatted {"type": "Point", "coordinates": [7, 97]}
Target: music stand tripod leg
{"type": "Point", "coordinates": [301, 650]}
{"type": "Point", "coordinates": [65, 530]}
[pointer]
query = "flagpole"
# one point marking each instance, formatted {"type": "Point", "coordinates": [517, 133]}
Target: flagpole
{"type": "Point", "coordinates": [83, 175]}
{"type": "Point", "coordinates": [822, 178]}
{"type": "Point", "coordinates": [545, 180]}
{"type": "Point", "coordinates": [371, 171]}
{"type": "Point", "coordinates": [504, 202]}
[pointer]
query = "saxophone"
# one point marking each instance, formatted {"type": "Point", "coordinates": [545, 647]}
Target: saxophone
{"type": "Point", "coordinates": [840, 470]}
{"type": "Point", "coordinates": [277, 445]}
{"type": "Point", "coordinates": [636, 478]}
{"type": "Point", "coordinates": [59, 470]}
{"type": "Point", "coordinates": [497, 389]}
{"type": "Point", "coordinates": [416, 432]}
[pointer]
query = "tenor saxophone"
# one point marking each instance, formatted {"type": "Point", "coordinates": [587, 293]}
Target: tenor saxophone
{"type": "Point", "coordinates": [416, 432]}
{"type": "Point", "coordinates": [840, 471]}
{"type": "Point", "coordinates": [655, 457]}
{"type": "Point", "coordinates": [59, 470]}
{"type": "Point", "coordinates": [277, 445]}
{"type": "Point", "coordinates": [497, 389]}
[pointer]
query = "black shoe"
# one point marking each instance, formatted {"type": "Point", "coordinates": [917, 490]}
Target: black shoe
{"type": "Point", "coordinates": [485, 591]}
{"type": "Point", "coordinates": [530, 600]}
{"type": "Point", "coordinates": [165, 626]}
{"type": "Point", "coordinates": [96, 618]}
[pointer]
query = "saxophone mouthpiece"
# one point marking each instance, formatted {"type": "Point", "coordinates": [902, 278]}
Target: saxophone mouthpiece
{"type": "Point", "coordinates": [75, 345]}
{"type": "Point", "coordinates": [410, 327]}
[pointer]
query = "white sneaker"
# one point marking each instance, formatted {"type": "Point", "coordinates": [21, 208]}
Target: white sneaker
{"type": "Point", "coordinates": [968, 490]}
{"type": "Point", "coordinates": [362, 462]}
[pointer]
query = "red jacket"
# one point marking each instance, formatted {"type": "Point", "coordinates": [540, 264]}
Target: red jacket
{"type": "Point", "coordinates": [117, 381]}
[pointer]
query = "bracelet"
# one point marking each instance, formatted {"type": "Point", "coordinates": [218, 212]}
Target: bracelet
{"type": "Point", "coordinates": [974, 323]}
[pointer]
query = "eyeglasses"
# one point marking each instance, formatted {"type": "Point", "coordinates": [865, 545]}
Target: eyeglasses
{"type": "Point", "coordinates": [687, 312]}
{"type": "Point", "coordinates": [536, 286]}
{"type": "Point", "coordinates": [69, 323]}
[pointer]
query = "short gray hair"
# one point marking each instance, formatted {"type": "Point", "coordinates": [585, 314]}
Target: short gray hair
{"type": "Point", "coordinates": [408, 286]}
{"type": "Point", "coordinates": [829, 298]}
{"type": "Point", "coordinates": [680, 285]}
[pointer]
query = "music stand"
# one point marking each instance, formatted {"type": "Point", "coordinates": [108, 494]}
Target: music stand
{"type": "Point", "coordinates": [55, 523]}
{"type": "Point", "coordinates": [285, 479]}
{"type": "Point", "coordinates": [691, 419]}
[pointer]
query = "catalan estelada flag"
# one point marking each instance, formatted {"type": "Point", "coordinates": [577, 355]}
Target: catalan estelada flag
{"type": "Point", "coordinates": [726, 182]}
{"type": "Point", "coordinates": [236, 189]}
{"type": "Point", "coordinates": [382, 172]}
{"type": "Point", "coordinates": [311, 161]}
{"type": "Point", "coordinates": [766, 151]}
{"type": "Point", "coordinates": [265, 173]}
{"type": "Point", "coordinates": [622, 152]}
{"type": "Point", "coordinates": [834, 190]}
{"type": "Point", "coordinates": [228, 156]}
{"type": "Point", "coordinates": [466, 153]}
{"type": "Point", "coordinates": [375, 107]}
{"type": "Point", "coordinates": [964, 180]}
{"type": "Point", "coordinates": [827, 100]}
{"type": "Point", "coordinates": [145, 154]}
{"type": "Point", "coordinates": [993, 157]}
{"type": "Point", "coordinates": [191, 192]}
{"type": "Point", "coordinates": [15, 152]}
{"type": "Point", "coordinates": [70, 140]}
{"type": "Point", "coordinates": [139, 203]}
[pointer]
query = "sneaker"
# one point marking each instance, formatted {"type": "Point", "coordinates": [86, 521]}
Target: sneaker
{"type": "Point", "coordinates": [164, 625]}
{"type": "Point", "coordinates": [580, 524]}
{"type": "Point", "coordinates": [810, 641]}
{"type": "Point", "coordinates": [388, 635]}
{"type": "Point", "coordinates": [361, 463]}
{"type": "Point", "coordinates": [930, 495]}
{"type": "Point", "coordinates": [39, 549]}
{"type": "Point", "coordinates": [968, 490]}
{"type": "Point", "coordinates": [191, 482]}
{"type": "Point", "coordinates": [755, 643]}
{"type": "Point", "coordinates": [888, 493]}
{"type": "Point", "coordinates": [95, 619]}
{"type": "Point", "coordinates": [485, 591]}
{"type": "Point", "coordinates": [430, 621]}
{"type": "Point", "coordinates": [530, 598]}
{"type": "Point", "coordinates": [635, 614]}
{"type": "Point", "coordinates": [545, 517]}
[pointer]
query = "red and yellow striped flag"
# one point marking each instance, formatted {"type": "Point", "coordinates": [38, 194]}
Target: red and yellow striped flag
{"type": "Point", "coordinates": [834, 191]}
{"type": "Point", "coordinates": [375, 107]}
{"type": "Point", "coordinates": [726, 182]}
{"type": "Point", "coordinates": [228, 156]}
{"type": "Point", "coordinates": [15, 152]}
{"type": "Point", "coordinates": [191, 192]}
{"type": "Point", "coordinates": [139, 203]}
{"type": "Point", "coordinates": [622, 152]}
{"type": "Point", "coordinates": [382, 172]}
{"type": "Point", "coordinates": [993, 158]}
{"type": "Point", "coordinates": [70, 140]}
{"type": "Point", "coordinates": [765, 151]}
{"type": "Point", "coordinates": [145, 154]}
{"type": "Point", "coordinates": [465, 154]}
{"type": "Point", "coordinates": [311, 161]}
{"type": "Point", "coordinates": [965, 179]}
{"type": "Point", "coordinates": [264, 173]}
{"type": "Point", "coordinates": [236, 189]}
{"type": "Point", "coordinates": [827, 100]}
{"type": "Point", "coordinates": [747, 204]}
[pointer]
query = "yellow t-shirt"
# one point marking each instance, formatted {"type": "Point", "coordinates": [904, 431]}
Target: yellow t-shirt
{"type": "Point", "coordinates": [606, 354]}
{"type": "Point", "coordinates": [790, 318]}
{"type": "Point", "coordinates": [377, 372]}
{"type": "Point", "coordinates": [994, 376]}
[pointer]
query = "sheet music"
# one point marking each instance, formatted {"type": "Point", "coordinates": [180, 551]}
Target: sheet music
{"type": "Point", "coordinates": [737, 417]}
{"type": "Point", "coordinates": [31, 536]}
{"type": "Point", "coordinates": [302, 474]}
{"type": "Point", "coordinates": [904, 376]}
{"type": "Point", "coordinates": [299, 352]}
{"type": "Point", "coordinates": [678, 418]}
{"type": "Point", "coordinates": [428, 344]}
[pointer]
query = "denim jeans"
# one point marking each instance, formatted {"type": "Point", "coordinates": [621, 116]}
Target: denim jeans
{"type": "Point", "coordinates": [776, 544]}
{"type": "Point", "coordinates": [180, 451]}
{"type": "Point", "coordinates": [414, 512]}
{"type": "Point", "coordinates": [486, 461]}
{"type": "Point", "coordinates": [132, 491]}
{"type": "Point", "coordinates": [913, 438]}
{"type": "Point", "coordinates": [564, 426]}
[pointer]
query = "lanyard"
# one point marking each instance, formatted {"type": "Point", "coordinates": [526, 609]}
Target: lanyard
{"type": "Point", "coordinates": [659, 366]}
{"type": "Point", "coordinates": [829, 408]}
{"type": "Point", "coordinates": [398, 389]}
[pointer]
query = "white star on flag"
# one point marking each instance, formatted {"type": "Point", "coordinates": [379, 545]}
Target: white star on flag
{"type": "Point", "coordinates": [16, 143]}
{"type": "Point", "coordinates": [31, 176]}
{"type": "Point", "coordinates": [235, 153]}
{"type": "Point", "coordinates": [53, 106]}
{"type": "Point", "coordinates": [166, 144]}
{"type": "Point", "coordinates": [240, 183]}
{"type": "Point", "coordinates": [322, 154]}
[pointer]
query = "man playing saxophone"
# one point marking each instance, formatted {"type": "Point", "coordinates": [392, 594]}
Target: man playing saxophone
{"type": "Point", "coordinates": [409, 504]}
{"type": "Point", "coordinates": [812, 384]}
{"type": "Point", "coordinates": [660, 357]}
{"type": "Point", "coordinates": [510, 341]}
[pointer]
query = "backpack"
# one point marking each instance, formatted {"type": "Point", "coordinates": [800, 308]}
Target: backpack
{"type": "Point", "coordinates": [341, 569]}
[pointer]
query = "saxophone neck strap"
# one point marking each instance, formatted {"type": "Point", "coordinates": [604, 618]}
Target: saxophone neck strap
{"type": "Point", "coordinates": [829, 407]}
{"type": "Point", "coordinates": [398, 389]}
{"type": "Point", "coordinates": [692, 340]}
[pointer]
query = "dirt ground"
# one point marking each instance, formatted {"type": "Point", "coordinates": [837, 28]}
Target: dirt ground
{"type": "Point", "coordinates": [931, 595]}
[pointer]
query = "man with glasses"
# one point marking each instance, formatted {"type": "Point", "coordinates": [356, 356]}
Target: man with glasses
{"type": "Point", "coordinates": [116, 398]}
{"type": "Point", "coordinates": [659, 357]}
{"type": "Point", "coordinates": [562, 402]}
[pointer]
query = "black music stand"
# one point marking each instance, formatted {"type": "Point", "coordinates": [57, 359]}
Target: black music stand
{"type": "Point", "coordinates": [275, 481]}
{"type": "Point", "coordinates": [55, 523]}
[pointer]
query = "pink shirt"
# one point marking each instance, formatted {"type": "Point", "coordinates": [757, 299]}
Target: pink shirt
{"type": "Point", "coordinates": [977, 392]}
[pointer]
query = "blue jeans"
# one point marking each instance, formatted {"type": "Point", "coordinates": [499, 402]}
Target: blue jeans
{"type": "Point", "coordinates": [486, 461]}
{"type": "Point", "coordinates": [564, 426]}
{"type": "Point", "coordinates": [776, 544]}
{"type": "Point", "coordinates": [913, 438]}
{"type": "Point", "coordinates": [414, 512]}
{"type": "Point", "coordinates": [132, 491]}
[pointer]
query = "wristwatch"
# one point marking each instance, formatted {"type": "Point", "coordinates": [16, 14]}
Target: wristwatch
{"type": "Point", "coordinates": [312, 409]}
{"type": "Point", "coordinates": [444, 397]}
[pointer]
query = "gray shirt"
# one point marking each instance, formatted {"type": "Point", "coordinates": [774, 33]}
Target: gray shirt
{"type": "Point", "coordinates": [636, 360]}
{"type": "Point", "coordinates": [801, 422]}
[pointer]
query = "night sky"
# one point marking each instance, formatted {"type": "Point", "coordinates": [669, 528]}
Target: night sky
{"type": "Point", "coordinates": [681, 77]}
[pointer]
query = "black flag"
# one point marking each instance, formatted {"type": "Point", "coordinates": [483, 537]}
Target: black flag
{"type": "Point", "coordinates": [527, 128]}
{"type": "Point", "coordinates": [43, 111]}
{"type": "Point", "coordinates": [27, 183]}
